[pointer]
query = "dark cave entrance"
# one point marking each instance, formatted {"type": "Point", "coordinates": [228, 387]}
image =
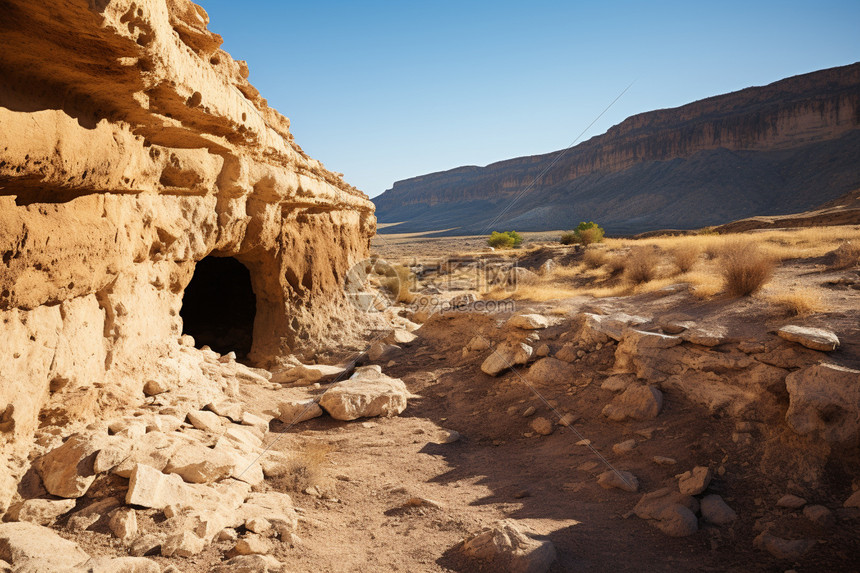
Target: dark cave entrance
{"type": "Point", "coordinates": [219, 306]}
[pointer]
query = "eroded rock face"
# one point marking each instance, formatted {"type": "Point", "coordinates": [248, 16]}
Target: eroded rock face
{"type": "Point", "coordinates": [131, 148]}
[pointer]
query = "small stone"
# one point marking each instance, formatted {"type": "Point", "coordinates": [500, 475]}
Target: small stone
{"type": "Point", "coordinates": [618, 479]}
{"type": "Point", "coordinates": [529, 321]}
{"type": "Point", "coordinates": [448, 436]}
{"type": "Point", "coordinates": [253, 544]}
{"type": "Point", "coordinates": [400, 336]}
{"type": "Point", "coordinates": [783, 548]}
{"type": "Point", "coordinates": [677, 521]}
{"type": "Point", "coordinates": [716, 511]}
{"type": "Point", "coordinates": [819, 515]}
{"type": "Point", "coordinates": [568, 419]}
{"type": "Point", "coordinates": [506, 356]}
{"type": "Point", "coordinates": [123, 524]}
{"type": "Point", "coordinates": [296, 411]}
{"type": "Point", "coordinates": [791, 501]}
{"type": "Point", "coordinates": [624, 447]}
{"type": "Point", "coordinates": [529, 411]}
{"type": "Point", "coordinates": [542, 426]}
{"type": "Point", "coordinates": [228, 534]}
{"type": "Point", "coordinates": [206, 421]}
{"type": "Point", "coordinates": [663, 461]}
{"type": "Point", "coordinates": [543, 350]}
{"type": "Point", "coordinates": [154, 387]}
{"type": "Point", "coordinates": [637, 403]}
{"type": "Point", "coordinates": [259, 525]}
{"type": "Point", "coordinates": [183, 544]}
{"type": "Point", "coordinates": [696, 481]}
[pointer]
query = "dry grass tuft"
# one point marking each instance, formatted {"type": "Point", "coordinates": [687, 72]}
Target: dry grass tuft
{"type": "Point", "coordinates": [799, 302]}
{"type": "Point", "coordinates": [594, 258]}
{"type": "Point", "coordinates": [846, 256]}
{"type": "Point", "coordinates": [398, 283]}
{"type": "Point", "coordinates": [641, 265]}
{"type": "Point", "coordinates": [685, 256]}
{"type": "Point", "coordinates": [305, 468]}
{"type": "Point", "coordinates": [745, 268]}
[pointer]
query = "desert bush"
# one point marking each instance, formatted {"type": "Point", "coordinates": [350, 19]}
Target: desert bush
{"type": "Point", "coordinates": [745, 268]}
{"type": "Point", "coordinates": [397, 280]}
{"type": "Point", "coordinates": [616, 264]}
{"type": "Point", "coordinates": [506, 240]}
{"type": "Point", "coordinates": [641, 265]}
{"type": "Point", "coordinates": [685, 256]}
{"type": "Point", "coordinates": [847, 255]}
{"type": "Point", "coordinates": [594, 258]}
{"type": "Point", "coordinates": [568, 238]}
{"type": "Point", "coordinates": [305, 468]}
{"type": "Point", "coordinates": [798, 302]}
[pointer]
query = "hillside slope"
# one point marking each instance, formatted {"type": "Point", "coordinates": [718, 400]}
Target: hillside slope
{"type": "Point", "coordinates": [777, 149]}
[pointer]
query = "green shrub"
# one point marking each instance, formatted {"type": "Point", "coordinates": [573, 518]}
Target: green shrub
{"type": "Point", "coordinates": [585, 233]}
{"type": "Point", "coordinates": [506, 240]}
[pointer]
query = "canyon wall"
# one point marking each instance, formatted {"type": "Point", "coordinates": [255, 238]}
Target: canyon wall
{"type": "Point", "coordinates": [132, 147]}
{"type": "Point", "coordinates": [765, 150]}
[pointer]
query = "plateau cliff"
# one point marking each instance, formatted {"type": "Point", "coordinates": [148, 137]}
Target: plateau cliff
{"type": "Point", "coordinates": [770, 150]}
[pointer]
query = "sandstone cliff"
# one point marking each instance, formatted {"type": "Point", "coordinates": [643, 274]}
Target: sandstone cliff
{"type": "Point", "coordinates": [777, 149]}
{"type": "Point", "coordinates": [132, 147]}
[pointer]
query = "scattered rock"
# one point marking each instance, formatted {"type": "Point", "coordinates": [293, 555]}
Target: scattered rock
{"type": "Point", "coordinates": [695, 481]}
{"type": "Point", "coordinates": [819, 515]}
{"type": "Point", "coordinates": [148, 487]}
{"type": "Point", "coordinates": [155, 387]}
{"type": "Point", "coordinates": [34, 548]}
{"type": "Point", "coordinates": [40, 511]}
{"type": "Point", "coordinates": [123, 524]}
{"type": "Point", "coordinates": [253, 545]}
{"type": "Point", "coordinates": [227, 409]}
{"type": "Point", "coordinates": [297, 411]}
{"type": "Point", "coordinates": [448, 436]}
{"type": "Point", "coordinates": [184, 544]}
{"type": "Point", "coordinates": [380, 349]}
{"type": "Point", "coordinates": [506, 356]}
{"type": "Point", "coordinates": [67, 471]}
{"type": "Point", "coordinates": [618, 382]}
{"type": "Point", "coordinates": [400, 336]}
{"type": "Point", "coordinates": [259, 525]}
{"type": "Point", "coordinates": [824, 400]}
{"type": "Point", "coordinates": [478, 344]}
{"type": "Point", "coordinates": [705, 336]}
{"type": "Point", "coordinates": [791, 501]}
{"type": "Point", "coordinates": [618, 479]}
{"type": "Point", "coordinates": [663, 461]}
{"type": "Point", "coordinates": [528, 321]}
{"type": "Point", "coordinates": [199, 464]}
{"type": "Point", "coordinates": [624, 447]}
{"type": "Point", "coordinates": [568, 419]}
{"type": "Point", "coordinates": [250, 564]}
{"type": "Point", "coordinates": [814, 338]}
{"type": "Point", "coordinates": [305, 375]}
{"type": "Point", "coordinates": [677, 521]}
{"type": "Point", "coordinates": [367, 394]}
{"type": "Point", "coordinates": [542, 426]}
{"type": "Point", "coordinates": [529, 411]}
{"type": "Point", "coordinates": [637, 403]}
{"type": "Point", "coordinates": [783, 548]}
{"type": "Point", "coordinates": [853, 500]}
{"type": "Point", "coordinates": [124, 565]}
{"type": "Point", "coordinates": [542, 350]}
{"type": "Point", "coordinates": [552, 372]}
{"type": "Point", "coordinates": [716, 511]}
{"type": "Point", "coordinates": [511, 547]}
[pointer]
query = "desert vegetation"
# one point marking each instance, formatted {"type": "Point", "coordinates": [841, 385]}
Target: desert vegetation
{"type": "Point", "coordinates": [586, 233]}
{"type": "Point", "coordinates": [505, 240]}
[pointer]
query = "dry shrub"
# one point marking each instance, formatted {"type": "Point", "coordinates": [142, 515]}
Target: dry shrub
{"type": "Point", "coordinates": [847, 255]}
{"type": "Point", "coordinates": [594, 258]}
{"type": "Point", "coordinates": [305, 468]}
{"type": "Point", "coordinates": [398, 283]}
{"type": "Point", "coordinates": [798, 302]}
{"type": "Point", "coordinates": [641, 265]}
{"type": "Point", "coordinates": [616, 265]}
{"type": "Point", "coordinates": [685, 256]}
{"type": "Point", "coordinates": [745, 268]}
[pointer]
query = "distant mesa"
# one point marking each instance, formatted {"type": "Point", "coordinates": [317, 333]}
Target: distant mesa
{"type": "Point", "coordinates": [763, 151]}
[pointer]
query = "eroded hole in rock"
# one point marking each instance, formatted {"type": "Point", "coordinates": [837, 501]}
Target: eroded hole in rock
{"type": "Point", "coordinates": [219, 306]}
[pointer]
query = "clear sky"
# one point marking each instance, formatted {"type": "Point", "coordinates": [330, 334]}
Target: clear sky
{"type": "Point", "coordinates": [383, 91]}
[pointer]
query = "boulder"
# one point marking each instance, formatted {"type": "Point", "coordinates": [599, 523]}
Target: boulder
{"type": "Point", "coordinates": [67, 471]}
{"type": "Point", "coordinates": [618, 479]}
{"type": "Point", "coordinates": [300, 410]}
{"type": "Point", "coordinates": [671, 512]}
{"type": "Point", "coordinates": [253, 544]}
{"type": "Point", "coordinates": [148, 487]}
{"type": "Point", "coordinates": [305, 375]}
{"type": "Point", "coordinates": [276, 507]}
{"type": "Point", "coordinates": [37, 549]}
{"type": "Point", "coordinates": [677, 521]}
{"type": "Point", "coordinates": [207, 421]}
{"type": "Point", "coordinates": [123, 524]}
{"type": "Point", "coordinates": [528, 321]}
{"type": "Point", "coordinates": [716, 511]}
{"type": "Point", "coordinates": [506, 356]}
{"type": "Point", "coordinates": [122, 565]}
{"type": "Point", "coordinates": [824, 401]}
{"type": "Point", "coordinates": [478, 344]}
{"type": "Point", "coordinates": [814, 338]}
{"type": "Point", "coordinates": [183, 544]}
{"type": "Point", "coordinates": [367, 394]}
{"type": "Point", "coordinates": [41, 511]}
{"type": "Point", "coordinates": [636, 403]}
{"type": "Point", "coordinates": [379, 350]}
{"type": "Point", "coordinates": [250, 564]}
{"type": "Point", "coordinates": [198, 464]}
{"type": "Point", "coordinates": [695, 481]}
{"type": "Point", "coordinates": [783, 548]}
{"type": "Point", "coordinates": [541, 426]}
{"type": "Point", "coordinates": [510, 546]}
{"type": "Point", "coordinates": [553, 372]}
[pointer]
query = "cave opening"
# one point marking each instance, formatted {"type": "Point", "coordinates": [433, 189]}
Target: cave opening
{"type": "Point", "coordinates": [219, 306]}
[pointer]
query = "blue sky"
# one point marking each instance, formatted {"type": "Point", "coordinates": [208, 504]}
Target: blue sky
{"type": "Point", "coordinates": [383, 91]}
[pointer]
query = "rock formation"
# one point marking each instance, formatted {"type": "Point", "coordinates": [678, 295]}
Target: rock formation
{"type": "Point", "coordinates": [772, 150]}
{"type": "Point", "coordinates": [132, 148]}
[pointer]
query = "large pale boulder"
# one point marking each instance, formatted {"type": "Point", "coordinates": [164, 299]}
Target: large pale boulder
{"type": "Point", "coordinates": [367, 394]}
{"type": "Point", "coordinates": [148, 487]}
{"type": "Point", "coordinates": [198, 464]}
{"type": "Point", "coordinates": [299, 410]}
{"type": "Point", "coordinates": [510, 546]}
{"type": "Point", "coordinates": [825, 402]}
{"type": "Point", "coordinates": [41, 511]}
{"type": "Point", "coordinates": [506, 356]}
{"type": "Point", "coordinates": [636, 403]}
{"type": "Point", "coordinates": [814, 338]}
{"type": "Point", "coordinates": [37, 549]}
{"type": "Point", "coordinates": [553, 372]}
{"type": "Point", "coordinates": [67, 471]}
